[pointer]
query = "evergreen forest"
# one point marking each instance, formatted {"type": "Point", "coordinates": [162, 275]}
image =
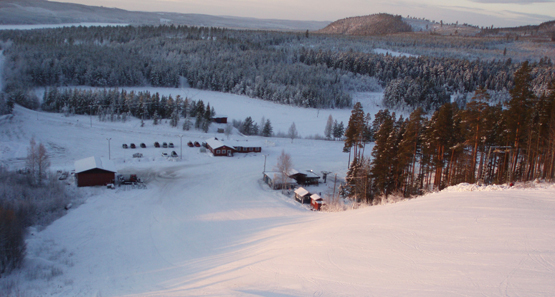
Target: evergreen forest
{"type": "Point", "coordinates": [309, 70]}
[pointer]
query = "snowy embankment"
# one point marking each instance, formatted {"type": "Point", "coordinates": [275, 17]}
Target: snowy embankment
{"type": "Point", "coordinates": [209, 226]}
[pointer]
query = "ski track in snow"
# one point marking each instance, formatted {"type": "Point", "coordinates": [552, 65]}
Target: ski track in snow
{"type": "Point", "coordinates": [209, 226]}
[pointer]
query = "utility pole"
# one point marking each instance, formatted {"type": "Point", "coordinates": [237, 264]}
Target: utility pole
{"type": "Point", "coordinates": [334, 183]}
{"type": "Point", "coordinates": [181, 147]}
{"type": "Point", "coordinates": [264, 164]}
{"type": "Point", "coordinates": [90, 113]}
{"type": "Point", "coordinates": [109, 153]}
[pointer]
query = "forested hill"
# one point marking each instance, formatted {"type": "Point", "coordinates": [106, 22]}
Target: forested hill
{"type": "Point", "coordinates": [50, 12]}
{"type": "Point", "coordinates": [370, 25]}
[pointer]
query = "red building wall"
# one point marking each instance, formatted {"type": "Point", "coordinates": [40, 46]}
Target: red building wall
{"type": "Point", "coordinates": [95, 177]}
{"type": "Point", "coordinates": [222, 151]}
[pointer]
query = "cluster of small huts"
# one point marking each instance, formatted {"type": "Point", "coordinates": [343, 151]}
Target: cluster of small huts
{"type": "Point", "coordinates": [302, 195]}
{"type": "Point", "coordinates": [276, 180]}
{"type": "Point", "coordinates": [294, 178]}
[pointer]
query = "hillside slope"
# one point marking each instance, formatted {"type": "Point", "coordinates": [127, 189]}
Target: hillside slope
{"type": "Point", "coordinates": [49, 12]}
{"type": "Point", "coordinates": [208, 226]}
{"type": "Point", "coordinates": [376, 24]}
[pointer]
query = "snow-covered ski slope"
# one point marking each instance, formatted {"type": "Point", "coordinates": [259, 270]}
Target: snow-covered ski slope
{"type": "Point", "coordinates": [208, 226]}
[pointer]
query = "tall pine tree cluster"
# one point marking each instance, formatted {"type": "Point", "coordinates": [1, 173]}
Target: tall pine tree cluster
{"type": "Point", "coordinates": [479, 144]}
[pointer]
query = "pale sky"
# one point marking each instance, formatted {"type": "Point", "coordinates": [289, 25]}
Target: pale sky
{"type": "Point", "coordinates": [500, 13]}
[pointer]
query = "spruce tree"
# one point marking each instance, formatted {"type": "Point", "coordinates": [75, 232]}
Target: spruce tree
{"type": "Point", "coordinates": [267, 131]}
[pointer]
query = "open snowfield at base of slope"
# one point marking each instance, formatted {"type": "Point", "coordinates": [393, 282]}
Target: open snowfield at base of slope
{"type": "Point", "coordinates": [209, 226]}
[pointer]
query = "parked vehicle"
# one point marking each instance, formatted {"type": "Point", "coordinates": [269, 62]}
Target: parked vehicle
{"type": "Point", "coordinates": [143, 145]}
{"type": "Point", "coordinates": [156, 144]}
{"type": "Point", "coordinates": [170, 145]}
{"type": "Point", "coordinates": [165, 145]}
{"type": "Point", "coordinates": [165, 155]}
{"type": "Point", "coordinates": [174, 154]}
{"type": "Point", "coordinates": [124, 145]}
{"type": "Point", "coordinates": [132, 146]}
{"type": "Point", "coordinates": [137, 155]}
{"type": "Point", "coordinates": [130, 180]}
{"type": "Point", "coordinates": [190, 144]}
{"type": "Point", "coordinates": [197, 144]}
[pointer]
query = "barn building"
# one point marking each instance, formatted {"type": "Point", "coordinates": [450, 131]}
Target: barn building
{"type": "Point", "coordinates": [94, 171]}
{"type": "Point", "coordinates": [218, 148]}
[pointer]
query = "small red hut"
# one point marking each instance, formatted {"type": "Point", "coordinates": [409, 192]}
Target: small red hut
{"type": "Point", "coordinates": [316, 201]}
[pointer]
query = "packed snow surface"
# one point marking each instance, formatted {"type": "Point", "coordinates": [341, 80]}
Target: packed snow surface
{"type": "Point", "coordinates": [208, 226]}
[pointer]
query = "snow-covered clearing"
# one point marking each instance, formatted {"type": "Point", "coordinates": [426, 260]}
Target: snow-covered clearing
{"type": "Point", "coordinates": [209, 226]}
{"type": "Point", "coordinates": [381, 51]}
{"type": "Point", "coordinates": [309, 121]}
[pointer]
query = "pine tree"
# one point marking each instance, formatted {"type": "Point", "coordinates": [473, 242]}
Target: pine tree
{"type": "Point", "coordinates": [382, 154]}
{"type": "Point", "coordinates": [355, 129]}
{"type": "Point", "coordinates": [267, 131]}
{"type": "Point", "coordinates": [187, 124]}
{"type": "Point", "coordinates": [409, 149]}
{"type": "Point", "coordinates": [155, 118]}
{"type": "Point", "coordinates": [247, 127]}
{"type": "Point", "coordinates": [174, 121]}
{"type": "Point", "coordinates": [340, 130]}
{"type": "Point", "coordinates": [519, 109]}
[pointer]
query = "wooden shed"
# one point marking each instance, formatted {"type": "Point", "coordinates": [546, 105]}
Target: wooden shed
{"type": "Point", "coordinates": [220, 119]}
{"type": "Point", "coordinates": [302, 195]}
{"type": "Point", "coordinates": [94, 171]}
{"type": "Point", "coordinates": [316, 201]}
{"type": "Point", "coordinates": [219, 149]}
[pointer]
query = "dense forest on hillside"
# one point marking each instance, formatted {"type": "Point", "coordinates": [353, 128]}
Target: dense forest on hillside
{"type": "Point", "coordinates": [482, 143]}
{"type": "Point", "coordinates": [302, 69]}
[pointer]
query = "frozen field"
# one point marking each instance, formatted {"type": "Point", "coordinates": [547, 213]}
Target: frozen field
{"type": "Point", "coordinates": [208, 226]}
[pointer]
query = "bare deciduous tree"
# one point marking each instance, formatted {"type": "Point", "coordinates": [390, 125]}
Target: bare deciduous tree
{"type": "Point", "coordinates": [284, 166]}
{"type": "Point", "coordinates": [43, 163]}
{"type": "Point", "coordinates": [293, 132]}
{"type": "Point", "coordinates": [37, 161]}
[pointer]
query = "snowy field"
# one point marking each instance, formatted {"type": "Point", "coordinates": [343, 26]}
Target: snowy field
{"type": "Point", "coordinates": [208, 226]}
{"type": "Point", "coordinates": [309, 121]}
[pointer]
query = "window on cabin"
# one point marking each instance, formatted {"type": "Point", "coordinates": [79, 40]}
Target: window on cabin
{"type": "Point", "coordinates": [217, 151]}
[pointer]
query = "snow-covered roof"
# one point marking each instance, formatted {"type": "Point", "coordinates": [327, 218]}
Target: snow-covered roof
{"type": "Point", "coordinates": [311, 174]}
{"type": "Point", "coordinates": [293, 172]}
{"type": "Point", "coordinates": [215, 143]}
{"type": "Point", "coordinates": [93, 163]}
{"type": "Point", "coordinates": [301, 191]}
{"type": "Point", "coordinates": [247, 143]}
{"type": "Point", "coordinates": [316, 197]}
{"type": "Point", "coordinates": [276, 176]}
